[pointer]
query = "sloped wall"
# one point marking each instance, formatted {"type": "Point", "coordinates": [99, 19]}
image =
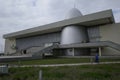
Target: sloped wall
{"type": "Point", "coordinates": [110, 32]}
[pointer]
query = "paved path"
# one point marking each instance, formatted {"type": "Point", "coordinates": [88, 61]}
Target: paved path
{"type": "Point", "coordinates": [58, 65]}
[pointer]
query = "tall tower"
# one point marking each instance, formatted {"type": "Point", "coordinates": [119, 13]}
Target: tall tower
{"type": "Point", "coordinates": [74, 33]}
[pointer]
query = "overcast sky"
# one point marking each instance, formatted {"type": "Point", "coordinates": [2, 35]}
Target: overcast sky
{"type": "Point", "coordinates": [17, 15]}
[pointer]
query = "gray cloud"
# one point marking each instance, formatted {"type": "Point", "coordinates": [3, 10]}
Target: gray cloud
{"type": "Point", "coordinates": [17, 15]}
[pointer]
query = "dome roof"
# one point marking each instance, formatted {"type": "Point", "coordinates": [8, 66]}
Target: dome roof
{"type": "Point", "coordinates": [74, 12]}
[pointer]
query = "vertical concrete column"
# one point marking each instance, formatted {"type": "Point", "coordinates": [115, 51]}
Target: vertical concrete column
{"type": "Point", "coordinates": [73, 52]}
{"type": "Point", "coordinates": [100, 51]}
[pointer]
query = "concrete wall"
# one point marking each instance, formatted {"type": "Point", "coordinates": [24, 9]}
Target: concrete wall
{"type": "Point", "coordinates": [10, 46]}
{"type": "Point", "coordinates": [110, 32]}
{"type": "Point", "coordinates": [109, 51]}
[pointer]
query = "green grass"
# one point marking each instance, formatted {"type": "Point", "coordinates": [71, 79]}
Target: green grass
{"type": "Point", "coordinates": [84, 72]}
{"type": "Point", "coordinates": [50, 61]}
{"type": "Point", "coordinates": [60, 61]}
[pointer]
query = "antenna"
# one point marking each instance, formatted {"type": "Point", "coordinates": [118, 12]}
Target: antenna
{"type": "Point", "coordinates": [74, 3]}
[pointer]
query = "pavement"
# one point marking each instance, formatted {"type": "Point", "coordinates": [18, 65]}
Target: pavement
{"type": "Point", "coordinates": [59, 65]}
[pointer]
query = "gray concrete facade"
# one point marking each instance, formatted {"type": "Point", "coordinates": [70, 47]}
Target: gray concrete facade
{"type": "Point", "coordinates": [87, 31]}
{"type": "Point", "coordinates": [39, 40]}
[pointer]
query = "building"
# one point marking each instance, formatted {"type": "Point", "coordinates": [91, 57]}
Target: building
{"type": "Point", "coordinates": [77, 35]}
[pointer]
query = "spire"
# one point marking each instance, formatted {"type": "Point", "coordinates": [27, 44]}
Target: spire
{"type": "Point", "coordinates": [74, 3]}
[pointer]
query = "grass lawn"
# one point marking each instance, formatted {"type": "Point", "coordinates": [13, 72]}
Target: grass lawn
{"type": "Point", "coordinates": [60, 61]}
{"type": "Point", "coordinates": [84, 72]}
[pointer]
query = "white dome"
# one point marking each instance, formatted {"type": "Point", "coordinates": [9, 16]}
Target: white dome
{"type": "Point", "coordinates": [74, 12]}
